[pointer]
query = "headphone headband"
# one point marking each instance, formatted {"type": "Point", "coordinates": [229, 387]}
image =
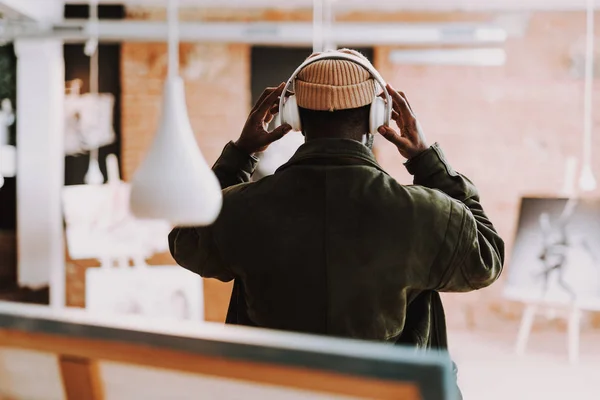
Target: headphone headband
{"type": "Point", "coordinates": [337, 55]}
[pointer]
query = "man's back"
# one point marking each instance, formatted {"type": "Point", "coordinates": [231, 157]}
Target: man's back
{"type": "Point", "coordinates": [331, 244]}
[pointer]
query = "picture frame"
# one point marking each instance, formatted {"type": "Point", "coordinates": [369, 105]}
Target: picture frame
{"type": "Point", "coordinates": [554, 257]}
{"type": "Point", "coordinates": [165, 292]}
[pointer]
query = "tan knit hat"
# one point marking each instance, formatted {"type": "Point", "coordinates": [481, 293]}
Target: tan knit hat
{"type": "Point", "coordinates": [329, 85]}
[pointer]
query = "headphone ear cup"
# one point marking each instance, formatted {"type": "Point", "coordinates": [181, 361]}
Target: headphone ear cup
{"type": "Point", "coordinates": [377, 116]}
{"type": "Point", "coordinates": [290, 114]}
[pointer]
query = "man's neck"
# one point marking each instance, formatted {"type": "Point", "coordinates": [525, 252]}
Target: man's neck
{"type": "Point", "coordinates": [334, 135]}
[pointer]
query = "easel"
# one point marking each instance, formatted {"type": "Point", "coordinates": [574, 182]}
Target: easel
{"type": "Point", "coordinates": [114, 181]}
{"type": "Point", "coordinates": [571, 310]}
{"type": "Point", "coordinates": [573, 314]}
{"type": "Point", "coordinates": [587, 182]}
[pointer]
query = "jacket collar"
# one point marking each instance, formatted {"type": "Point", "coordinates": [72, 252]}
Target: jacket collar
{"type": "Point", "coordinates": [328, 148]}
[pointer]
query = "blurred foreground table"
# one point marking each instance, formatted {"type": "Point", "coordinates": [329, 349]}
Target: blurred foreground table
{"type": "Point", "coordinates": [73, 354]}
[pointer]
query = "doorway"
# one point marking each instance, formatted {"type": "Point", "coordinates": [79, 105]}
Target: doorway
{"type": "Point", "coordinates": [269, 66]}
{"type": "Point", "coordinates": [272, 65]}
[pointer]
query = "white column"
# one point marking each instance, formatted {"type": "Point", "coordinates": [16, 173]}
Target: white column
{"type": "Point", "coordinates": [40, 153]}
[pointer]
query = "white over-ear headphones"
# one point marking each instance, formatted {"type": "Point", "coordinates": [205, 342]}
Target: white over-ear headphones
{"type": "Point", "coordinates": [381, 110]}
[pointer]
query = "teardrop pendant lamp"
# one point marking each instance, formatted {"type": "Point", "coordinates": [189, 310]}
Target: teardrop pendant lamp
{"type": "Point", "coordinates": [8, 153]}
{"type": "Point", "coordinates": [174, 181]}
{"type": "Point", "coordinates": [93, 175]}
{"type": "Point", "coordinates": [587, 181]}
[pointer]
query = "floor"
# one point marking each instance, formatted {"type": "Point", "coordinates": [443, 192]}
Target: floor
{"type": "Point", "coordinates": [489, 369]}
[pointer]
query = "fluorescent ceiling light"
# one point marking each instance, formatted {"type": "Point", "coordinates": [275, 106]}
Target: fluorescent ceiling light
{"type": "Point", "coordinates": [490, 35]}
{"type": "Point", "coordinates": [267, 33]}
{"type": "Point", "coordinates": [465, 57]}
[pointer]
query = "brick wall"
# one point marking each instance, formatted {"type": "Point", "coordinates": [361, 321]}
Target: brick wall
{"type": "Point", "coordinates": [508, 128]}
{"type": "Point", "coordinates": [8, 257]}
{"type": "Point", "coordinates": [218, 99]}
{"type": "Point", "coordinates": [217, 94]}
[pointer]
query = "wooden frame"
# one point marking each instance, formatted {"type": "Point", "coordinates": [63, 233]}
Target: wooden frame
{"type": "Point", "coordinates": [81, 378]}
{"type": "Point", "coordinates": [319, 364]}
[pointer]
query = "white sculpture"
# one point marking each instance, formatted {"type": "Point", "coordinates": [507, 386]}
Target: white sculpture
{"type": "Point", "coordinates": [89, 121]}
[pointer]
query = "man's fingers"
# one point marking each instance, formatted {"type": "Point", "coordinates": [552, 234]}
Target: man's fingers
{"type": "Point", "coordinates": [395, 105]}
{"type": "Point", "coordinates": [269, 101]}
{"type": "Point", "coordinates": [389, 89]}
{"type": "Point", "coordinates": [388, 133]}
{"type": "Point", "coordinates": [267, 120]}
{"type": "Point", "coordinates": [402, 104]}
{"type": "Point", "coordinates": [262, 97]}
{"type": "Point", "coordinates": [274, 110]}
{"type": "Point", "coordinates": [382, 95]}
{"type": "Point", "coordinates": [406, 99]}
{"type": "Point", "coordinates": [398, 100]}
{"type": "Point", "coordinates": [279, 132]}
{"type": "Point", "coordinates": [395, 110]}
{"type": "Point", "coordinates": [399, 120]}
{"type": "Point", "coordinates": [406, 120]}
{"type": "Point", "coordinates": [393, 136]}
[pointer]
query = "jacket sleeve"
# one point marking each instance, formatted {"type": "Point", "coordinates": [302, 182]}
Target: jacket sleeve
{"type": "Point", "coordinates": [194, 248]}
{"type": "Point", "coordinates": [472, 253]}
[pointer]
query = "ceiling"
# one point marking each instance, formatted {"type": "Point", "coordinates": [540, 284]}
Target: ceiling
{"type": "Point", "coordinates": [52, 10]}
{"type": "Point", "coordinates": [369, 4]}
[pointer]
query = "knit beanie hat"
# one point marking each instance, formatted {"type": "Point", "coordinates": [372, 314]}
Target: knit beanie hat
{"type": "Point", "coordinates": [330, 85]}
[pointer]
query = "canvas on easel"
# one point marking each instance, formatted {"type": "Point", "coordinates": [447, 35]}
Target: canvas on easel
{"type": "Point", "coordinates": [160, 292]}
{"type": "Point", "coordinates": [99, 225]}
{"type": "Point", "coordinates": [555, 264]}
{"type": "Point", "coordinates": [555, 256]}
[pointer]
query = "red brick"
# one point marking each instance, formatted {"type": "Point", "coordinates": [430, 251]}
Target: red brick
{"type": "Point", "coordinates": [510, 128]}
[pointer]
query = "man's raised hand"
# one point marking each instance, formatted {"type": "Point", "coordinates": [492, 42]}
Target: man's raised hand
{"type": "Point", "coordinates": [411, 139]}
{"type": "Point", "coordinates": [255, 137]}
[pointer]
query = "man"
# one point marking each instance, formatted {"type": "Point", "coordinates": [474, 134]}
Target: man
{"type": "Point", "coordinates": [331, 244]}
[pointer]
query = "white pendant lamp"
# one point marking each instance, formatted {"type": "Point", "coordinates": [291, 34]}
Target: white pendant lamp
{"type": "Point", "coordinates": [8, 153]}
{"type": "Point", "coordinates": [587, 181]}
{"type": "Point", "coordinates": [174, 182]}
{"type": "Point", "coordinates": [93, 175]}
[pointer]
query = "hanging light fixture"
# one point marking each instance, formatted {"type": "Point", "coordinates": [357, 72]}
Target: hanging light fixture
{"type": "Point", "coordinates": [328, 20]}
{"type": "Point", "coordinates": [8, 153]}
{"type": "Point", "coordinates": [587, 181]}
{"type": "Point", "coordinates": [94, 175]}
{"type": "Point", "coordinates": [174, 182]}
{"type": "Point", "coordinates": [317, 26]}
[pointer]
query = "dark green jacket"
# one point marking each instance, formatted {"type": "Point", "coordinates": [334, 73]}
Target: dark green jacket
{"type": "Point", "coordinates": [331, 244]}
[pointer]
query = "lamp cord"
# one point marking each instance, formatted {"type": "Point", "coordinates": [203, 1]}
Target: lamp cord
{"type": "Point", "coordinates": [317, 26]}
{"type": "Point", "coordinates": [173, 27]}
{"type": "Point", "coordinates": [94, 56]}
{"type": "Point", "coordinates": [328, 20]}
{"type": "Point", "coordinates": [588, 90]}
{"type": "Point", "coordinates": [323, 16]}
{"type": "Point", "coordinates": [94, 67]}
